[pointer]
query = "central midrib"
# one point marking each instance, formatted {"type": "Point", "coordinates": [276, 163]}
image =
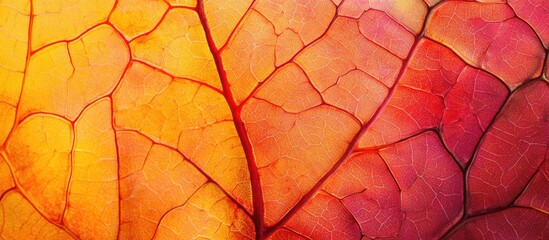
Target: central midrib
{"type": "Point", "coordinates": [257, 193]}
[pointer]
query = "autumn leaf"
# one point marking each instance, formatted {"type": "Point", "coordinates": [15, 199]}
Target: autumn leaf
{"type": "Point", "coordinates": [274, 119]}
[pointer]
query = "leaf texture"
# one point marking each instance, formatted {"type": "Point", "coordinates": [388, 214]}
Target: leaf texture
{"type": "Point", "coordinates": [274, 119]}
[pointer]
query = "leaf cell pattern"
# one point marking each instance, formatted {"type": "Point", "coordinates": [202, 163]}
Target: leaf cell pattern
{"type": "Point", "coordinates": [274, 119]}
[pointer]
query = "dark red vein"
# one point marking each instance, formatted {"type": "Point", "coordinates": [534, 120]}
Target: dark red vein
{"type": "Point", "coordinates": [355, 141]}
{"type": "Point", "coordinates": [257, 193]}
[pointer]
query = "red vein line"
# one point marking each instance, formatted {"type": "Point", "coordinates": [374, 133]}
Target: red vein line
{"type": "Point", "coordinates": [154, 236]}
{"type": "Point", "coordinates": [257, 193]}
{"type": "Point", "coordinates": [188, 160]}
{"type": "Point", "coordinates": [354, 142]}
{"type": "Point", "coordinates": [27, 61]}
{"type": "Point", "coordinates": [237, 27]}
{"type": "Point", "coordinates": [462, 223]}
{"type": "Point", "coordinates": [466, 216]}
{"type": "Point", "coordinates": [71, 172]}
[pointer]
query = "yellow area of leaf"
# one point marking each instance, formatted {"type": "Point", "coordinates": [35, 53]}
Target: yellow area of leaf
{"type": "Point", "coordinates": [6, 179]}
{"type": "Point", "coordinates": [39, 154]}
{"type": "Point", "coordinates": [56, 20]}
{"type": "Point", "coordinates": [134, 17]}
{"type": "Point", "coordinates": [219, 218]}
{"type": "Point", "coordinates": [67, 77]}
{"type": "Point", "coordinates": [182, 3]}
{"type": "Point", "coordinates": [188, 116]}
{"type": "Point", "coordinates": [7, 116]}
{"type": "Point", "coordinates": [19, 220]}
{"type": "Point", "coordinates": [14, 22]}
{"type": "Point", "coordinates": [93, 189]}
{"type": "Point", "coordinates": [178, 46]}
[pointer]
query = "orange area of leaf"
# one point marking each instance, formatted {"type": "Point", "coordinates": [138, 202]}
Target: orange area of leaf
{"type": "Point", "coordinates": [274, 119]}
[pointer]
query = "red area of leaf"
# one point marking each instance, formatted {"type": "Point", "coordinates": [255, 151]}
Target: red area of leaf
{"type": "Point", "coordinates": [355, 120]}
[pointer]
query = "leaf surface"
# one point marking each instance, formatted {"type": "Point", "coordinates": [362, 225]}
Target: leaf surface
{"type": "Point", "coordinates": [274, 119]}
